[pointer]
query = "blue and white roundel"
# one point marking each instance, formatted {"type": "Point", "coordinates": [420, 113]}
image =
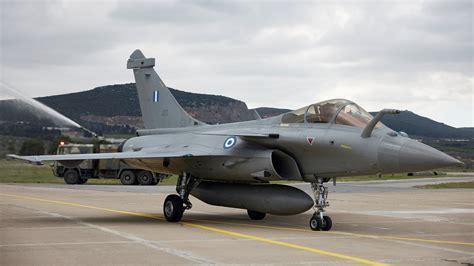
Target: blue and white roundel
{"type": "Point", "coordinates": [229, 142]}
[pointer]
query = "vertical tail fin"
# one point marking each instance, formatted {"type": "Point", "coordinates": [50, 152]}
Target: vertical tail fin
{"type": "Point", "coordinates": [159, 107]}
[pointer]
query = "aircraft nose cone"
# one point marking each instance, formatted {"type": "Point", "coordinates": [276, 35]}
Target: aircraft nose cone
{"type": "Point", "coordinates": [416, 156]}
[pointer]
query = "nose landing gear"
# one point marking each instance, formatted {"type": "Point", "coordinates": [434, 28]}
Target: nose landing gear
{"type": "Point", "coordinates": [318, 224]}
{"type": "Point", "coordinates": [319, 221]}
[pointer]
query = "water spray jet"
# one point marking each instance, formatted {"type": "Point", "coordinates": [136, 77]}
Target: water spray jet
{"type": "Point", "coordinates": [40, 110]}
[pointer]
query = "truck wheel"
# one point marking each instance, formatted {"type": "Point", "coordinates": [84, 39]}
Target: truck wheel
{"type": "Point", "coordinates": [145, 178]}
{"type": "Point", "coordinates": [71, 177]}
{"type": "Point", "coordinates": [82, 181]}
{"type": "Point", "coordinates": [128, 178]}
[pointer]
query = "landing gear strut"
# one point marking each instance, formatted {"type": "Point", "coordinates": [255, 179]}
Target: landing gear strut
{"type": "Point", "coordinates": [175, 205]}
{"type": "Point", "coordinates": [319, 221]}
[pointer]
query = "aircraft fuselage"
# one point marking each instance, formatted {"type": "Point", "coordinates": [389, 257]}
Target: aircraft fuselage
{"type": "Point", "coordinates": [316, 150]}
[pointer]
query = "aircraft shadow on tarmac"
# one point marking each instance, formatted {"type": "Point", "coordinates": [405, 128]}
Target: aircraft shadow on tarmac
{"type": "Point", "coordinates": [232, 220]}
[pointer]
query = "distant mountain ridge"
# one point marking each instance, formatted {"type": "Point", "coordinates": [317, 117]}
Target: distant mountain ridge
{"type": "Point", "coordinates": [417, 125]}
{"type": "Point", "coordinates": [122, 100]}
{"type": "Point", "coordinates": [115, 109]}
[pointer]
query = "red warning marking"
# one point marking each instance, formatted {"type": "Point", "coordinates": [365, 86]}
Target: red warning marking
{"type": "Point", "coordinates": [310, 140]}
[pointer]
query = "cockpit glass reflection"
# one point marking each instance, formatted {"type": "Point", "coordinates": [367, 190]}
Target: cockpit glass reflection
{"type": "Point", "coordinates": [353, 115]}
{"type": "Point", "coordinates": [337, 111]}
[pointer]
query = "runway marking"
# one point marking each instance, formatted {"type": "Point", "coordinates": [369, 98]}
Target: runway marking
{"type": "Point", "coordinates": [341, 233]}
{"type": "Point", "coordinates": [22, 217]}
{"type": "Point", "coordinates": [442, 211]}
{"type": "Point", "coordinates": [154, 216]}
{"type": "Point", "coordinates": [67, 243]}
{"type": "Point", "coordinates": [420, 215]}
{"type": "Point", "coordinates": [286, 244]}
{"type": "Point", "coordinates": [41, 228]}
{"type": "Point", "coordinates": [213, 229]}
{"type": "Point", "coordinates": [433, 247]}
{"type": "Point", "coordinates": [151, 244]}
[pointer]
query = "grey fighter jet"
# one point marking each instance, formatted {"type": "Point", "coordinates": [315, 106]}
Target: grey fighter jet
{"type": "Point", "coordinates": [232, 164]}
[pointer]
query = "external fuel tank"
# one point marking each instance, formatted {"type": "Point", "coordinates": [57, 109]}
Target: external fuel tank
{"type": "Point", "coordinates": [266, 198]}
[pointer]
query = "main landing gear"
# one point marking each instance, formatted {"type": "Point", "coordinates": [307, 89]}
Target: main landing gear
{"type": "Point", "coordinates": [319, 221]}
{"type": "Point", "coordinates": [175, 205]}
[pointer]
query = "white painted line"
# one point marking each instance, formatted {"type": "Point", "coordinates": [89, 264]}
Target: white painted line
{"type": "Point", "coordinates": [66, 243]}
{"type": "Point", "coordinates": [41, 228]}
{"type": "Point", "coordinates": [180, 253]}
{"type": "Point", "coordinates": [23, 217]}
{"type": "Point", "coordinates": [442, 211]}
{"type": "Point", "coordinates": [434, 247]}
{"type": "Point", "coordinates": [423, 215]}
{"type": "Point", "coordinates": [429, 260]}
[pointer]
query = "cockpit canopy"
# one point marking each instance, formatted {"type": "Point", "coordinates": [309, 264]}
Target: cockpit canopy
{"type": "Point", "coordinates": [337, 111]}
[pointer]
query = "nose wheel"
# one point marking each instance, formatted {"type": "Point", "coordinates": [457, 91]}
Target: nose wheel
{"type": "Point", "coordinates": [319, 221]}
{"type": "Point", "coordinates": [318, 224]}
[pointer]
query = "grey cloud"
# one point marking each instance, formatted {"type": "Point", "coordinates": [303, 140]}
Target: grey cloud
{"type": "Point", "coordinates": [37, 33]}
{"type": "Point", "coordinates": [255, 14]}
{"type": "Point", "coordinates": [375, 52]}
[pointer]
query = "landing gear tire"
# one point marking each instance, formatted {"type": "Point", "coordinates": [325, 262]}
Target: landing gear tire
{"type": "Point", "coordinates": [327, 223]}
{"type": "Point", "coordinates": [315, 223]}
{"type": "Point", "coordinates": [128, 178]}
{"type": "Point", "coordinates": [71, 177]}
{"type": "Point", "coordinates": [175, 205]}
{"type": "Point", "coordinates": [173, 208]}
{"type": "Point", "coordinates": [319, 221]}
{"type": "Point", "coordinates": [145, 178]}
{"type": "Point", "coordinates": [254, 215]}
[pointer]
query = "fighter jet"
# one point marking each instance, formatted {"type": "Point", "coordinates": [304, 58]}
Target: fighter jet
{"type": "Point", "coordinates": [233, 164]}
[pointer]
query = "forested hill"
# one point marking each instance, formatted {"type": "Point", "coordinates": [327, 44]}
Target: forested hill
{"type": "Point", "coordinates": [416, 125]}
{"type": "Point", "coordinates": [122, 100]}
{"type": "Point", "coordinates": [115, 109]}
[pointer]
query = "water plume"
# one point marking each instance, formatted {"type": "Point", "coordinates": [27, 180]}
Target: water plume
{"type": "Point", "coordinates": [36, 108]}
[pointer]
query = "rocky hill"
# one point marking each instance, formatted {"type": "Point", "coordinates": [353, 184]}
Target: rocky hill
{"type": "Point", "coordinates": [118, 104]}
{"type": "Point", "coordinates": [115, 109]}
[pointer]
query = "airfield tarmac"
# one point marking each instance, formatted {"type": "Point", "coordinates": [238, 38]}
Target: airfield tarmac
{"type": "Point", "coordinates": [375, 223]}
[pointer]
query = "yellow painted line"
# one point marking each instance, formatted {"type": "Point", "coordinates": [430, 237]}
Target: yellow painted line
{"type": "Point", "coordinates": [213, 229]}
{"type": "Point", "coordinates": [341, 233]}
{"type": "Point", "coordinates": [154, 216]}
{"type": "Point", "coordinates": [286, 244]}
{"type": "Point", "coordinates": [346, 146]}
{"type": "Point", "coordinates": [408, 239]}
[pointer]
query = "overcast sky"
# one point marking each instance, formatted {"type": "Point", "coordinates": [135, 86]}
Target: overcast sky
{"type": "Point", "coordinates": [410, 55]}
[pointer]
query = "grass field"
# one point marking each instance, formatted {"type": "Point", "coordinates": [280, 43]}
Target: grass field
{"type": "Point", "coordinates": [13, 171]}
{"type": "Point", "coordinates": [449, 185]}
